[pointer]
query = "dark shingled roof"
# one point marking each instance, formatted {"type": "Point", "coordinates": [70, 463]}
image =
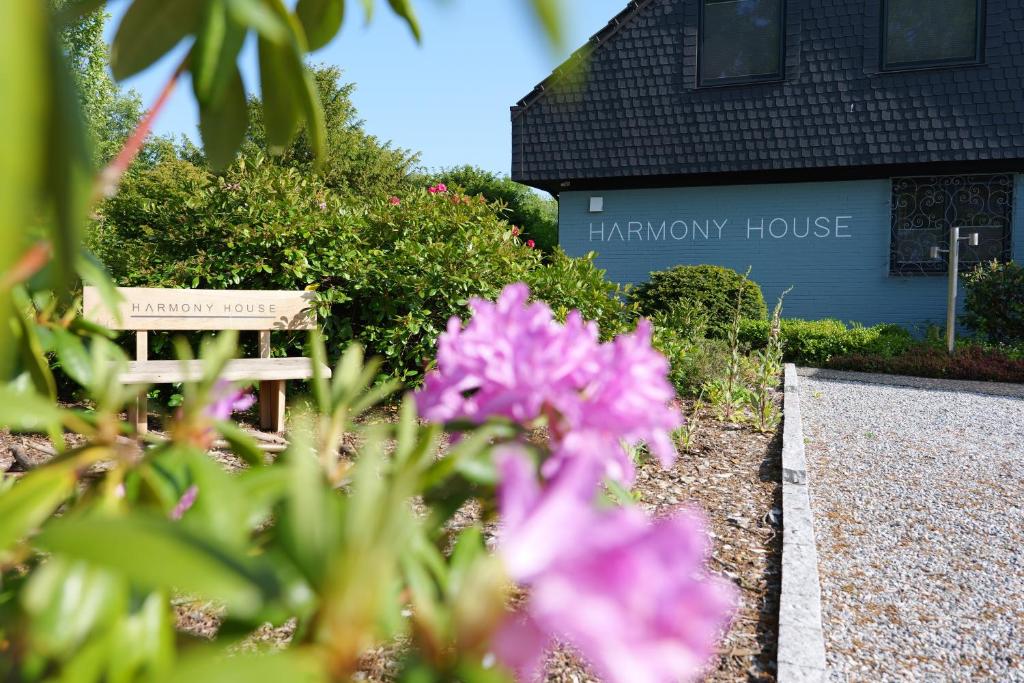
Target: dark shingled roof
{"type": "Point", "coordinates": [636, 117]}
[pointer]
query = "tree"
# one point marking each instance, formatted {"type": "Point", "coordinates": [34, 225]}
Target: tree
{"type": "Point", "coordinates": [355, 162]}
{"type": "Point", "coordinates": [110, 114]}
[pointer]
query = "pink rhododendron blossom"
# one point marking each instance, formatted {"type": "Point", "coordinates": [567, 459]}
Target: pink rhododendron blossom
{"type": "Point", "coordinates": [630, 594]}
{"type": "Point", "coordinates": [514, 360]}
{"type": "Point", "coordinates": [515, 231]}
{"type": "Point", "coordinates": [394, 201]}
{"type": "Point", "coordinates": [531, 244]}
{"type": "Point", "coordinates": [187, 500]}
{"type": "Point", "coordinates": [440, 188]}
{"type": "Point", "coordinates": [227, 400]}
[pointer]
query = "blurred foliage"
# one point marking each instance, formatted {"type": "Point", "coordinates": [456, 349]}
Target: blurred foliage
{"type": "Point", "coordinates": [96, 544]}
{"type": "Point", "coordinates": [328, 541]}
{"type": "Point", "coordinates": [536, 216]}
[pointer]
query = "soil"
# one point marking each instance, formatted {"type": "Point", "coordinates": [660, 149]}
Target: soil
{"type": "Point", "coordinates": [731, 472]}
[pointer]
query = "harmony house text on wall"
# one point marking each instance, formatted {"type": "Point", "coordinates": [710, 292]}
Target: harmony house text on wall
{"type": "Point", "coordinates": [820, 227]}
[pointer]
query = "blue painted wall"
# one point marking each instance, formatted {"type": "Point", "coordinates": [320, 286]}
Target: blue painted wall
{"type": "Point", "coordinates": [829, 241]}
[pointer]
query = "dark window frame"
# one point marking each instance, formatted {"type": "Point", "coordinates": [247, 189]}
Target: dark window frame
{"type": "Point", "coordinates": [979, 45]}
{"type": "Point", "coordinates": [940, 266]}
{"type": "Point", "coordinates": [779, 75]}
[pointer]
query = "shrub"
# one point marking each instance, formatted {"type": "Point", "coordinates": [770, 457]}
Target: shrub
{"type": "Point", "coordinates": [994, 301]}
{"type": "Point", "coordinates": [388, 275]}
{"type": "Point", "coordinates": [970, 362]}
{"type": "Point", "coordinates": [694, 360]}
{"type": "Point", "coordinates": [536, 216]}
{"type": "Point", "coordinates": [814, 342]}
{"type": "Point", "coordinates": [713, 288]}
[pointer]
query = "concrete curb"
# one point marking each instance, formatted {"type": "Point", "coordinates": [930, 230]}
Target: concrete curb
{"type": "Point", "coordinates": [801, 656]}
{"type": "Point", "coordinates": [927, 383]}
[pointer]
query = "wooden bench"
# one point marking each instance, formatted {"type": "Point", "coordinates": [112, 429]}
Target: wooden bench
{"type": "Point", "coordinates": [143, 310]}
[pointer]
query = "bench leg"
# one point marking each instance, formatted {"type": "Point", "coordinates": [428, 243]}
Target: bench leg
{"type": "Point", "coordinates": [272, 402]}
{"type": "Point", "coordinates": [138, 412]}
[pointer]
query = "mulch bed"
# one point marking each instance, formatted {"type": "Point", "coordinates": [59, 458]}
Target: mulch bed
{"type": "Point", "coordinates": [731, 472]}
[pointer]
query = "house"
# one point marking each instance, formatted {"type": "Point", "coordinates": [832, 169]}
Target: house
{"type": "Point", "coordinates": [825, 144]}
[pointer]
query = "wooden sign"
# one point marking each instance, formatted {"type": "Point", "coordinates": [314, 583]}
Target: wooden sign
{"type": "Point", "coordinates": [143, 308]}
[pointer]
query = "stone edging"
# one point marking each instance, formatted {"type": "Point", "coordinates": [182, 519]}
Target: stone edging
{"type": "Point", "coordinates": [801, 655]}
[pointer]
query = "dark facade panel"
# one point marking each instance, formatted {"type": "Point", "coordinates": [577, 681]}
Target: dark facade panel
{"type": "Point", "coordinates": [639, 113]}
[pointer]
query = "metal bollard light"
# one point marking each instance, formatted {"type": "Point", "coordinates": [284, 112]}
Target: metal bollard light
{"type": "Point", "coordinates": [954, 273]}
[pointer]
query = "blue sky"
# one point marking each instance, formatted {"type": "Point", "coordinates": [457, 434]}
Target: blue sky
{"type": "Point", "coordinates": [447, 97]}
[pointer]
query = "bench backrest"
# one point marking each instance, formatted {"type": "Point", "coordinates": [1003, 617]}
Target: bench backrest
{"type": "Point", "coordinates": [142, 308]}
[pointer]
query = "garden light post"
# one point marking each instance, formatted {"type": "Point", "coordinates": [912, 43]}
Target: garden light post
{"type": "Point", "coordinates": [954, 273]}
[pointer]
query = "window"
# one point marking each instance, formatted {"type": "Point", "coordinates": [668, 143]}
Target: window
{"type": "Point", "coordinates": [931, 32]}
{"type": "Point", "coordinates": [740, 41]}
{"type": "Point", "coordinates": [925, 208]}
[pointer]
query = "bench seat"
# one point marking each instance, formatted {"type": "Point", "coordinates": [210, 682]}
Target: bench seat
{"type": "Point", "coordinates": [240, 370]}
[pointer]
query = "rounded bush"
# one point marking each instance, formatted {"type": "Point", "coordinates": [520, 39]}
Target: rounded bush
{"type": "Point", "coordinates": [994, 303]}
{"type": "Point", "coordinates": [713, 288]}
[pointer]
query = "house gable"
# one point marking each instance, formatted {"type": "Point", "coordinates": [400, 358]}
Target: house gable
{"type": "Point", "coordinates": [638, 118]}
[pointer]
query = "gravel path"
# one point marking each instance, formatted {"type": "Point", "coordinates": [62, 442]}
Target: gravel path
{"type": "Point", "coordinates": [917, 496]}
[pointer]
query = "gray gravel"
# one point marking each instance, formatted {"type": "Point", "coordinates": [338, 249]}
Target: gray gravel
{"type": "Point", "coordinates": [917, 497]}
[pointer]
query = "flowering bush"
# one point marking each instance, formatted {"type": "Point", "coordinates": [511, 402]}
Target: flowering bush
{"type": "Point", "coordinates": [329, 539]}
{"type": "Point", "coordinates": [389, 272]}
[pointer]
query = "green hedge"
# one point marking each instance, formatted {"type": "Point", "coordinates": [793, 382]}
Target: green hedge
{"type": "Point", "coordinates": [390, 273]}
{"type": "Point", "coordinates": [815, 342]}
{"type": "Point", "coordinates": [713, 289]}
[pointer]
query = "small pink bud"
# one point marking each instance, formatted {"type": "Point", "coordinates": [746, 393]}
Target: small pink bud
{"type": "Point", "coordinates": [531, 244]}
{"type": "Point", "coordinates": [394, 201]}
{"type": "Point", "coordinates": [515, 231]}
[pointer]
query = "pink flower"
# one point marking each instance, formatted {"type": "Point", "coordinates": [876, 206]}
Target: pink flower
{"type": "Point", "coordinates": [514, 360]}
{"type": "Point", "coordinates": [227, 400]}
{"type": "Point", "coordinates": [531, 244]}
{"type": "Point", "coordinates": [515, 231]}
{"type": "Point", "coordinates": [630, 594]}
{"type": "Point", "coordinates": [440, 188]}
{"type": "Point", "coordinates": [322, 205]}
{"type": "Point", "coordinates": [187, 500]}
{"type": "Point", "coordinates": [394, 201]}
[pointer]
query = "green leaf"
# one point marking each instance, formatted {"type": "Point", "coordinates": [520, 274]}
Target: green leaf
{"type": "Point", "coordinates": [321, 20]}
{"type": "Point", "coordinates": [32, 355]}
{"type": "Point", "coordinates": [211, 665]}
{"type": "Point", "coordinates": [159, 553]}
{"type": "Point", "coordinates": [264, 20]}
{"type": "Point", "coordinates": [25, 410]}
{"type": "Point", "coordinates": [549, 12]}
{"type": "Point", "coordinates": [403, 8]}
{"type": "Point", "coordinates": [242, 445]}
{"type": "Point", "coordinates": [214, 55]}
{"type": "Point", "coordinates": [74, 358]}
{"type": "Point", "coordinates": [316, 128]}
{"type": "Point", "coordinates": [280, 84]}
{"type": "Point", "coordinates": [223, 124]}
{"type": "Point", "coordinates": [23, 68]}
{"type": "Point", "coordinates": [32, 500]}
{"type": "Point", "coordinates": [69, 171]}
{"type": "Point", "coordinates": [149, 30]}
